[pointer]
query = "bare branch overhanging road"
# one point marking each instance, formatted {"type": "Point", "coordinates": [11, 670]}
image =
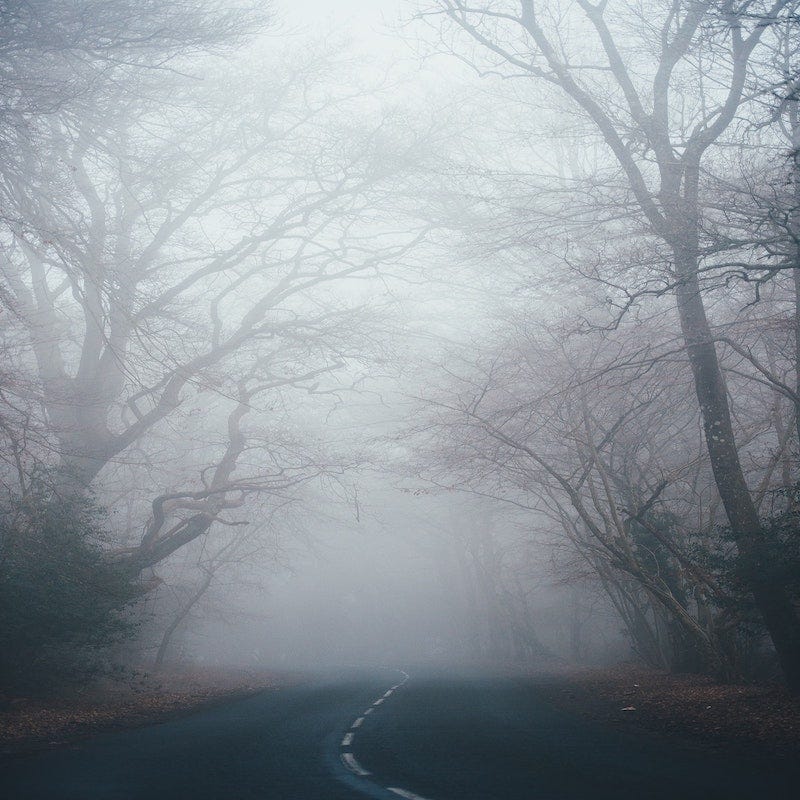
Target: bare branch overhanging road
{"type": "Point", "coordinates": [348, 736]}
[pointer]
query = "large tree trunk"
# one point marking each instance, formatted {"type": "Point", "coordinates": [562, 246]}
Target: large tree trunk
{"type": "Point", "coordinates": [772, 599]}
{"type": "Point", "coordinates": [794, 237]}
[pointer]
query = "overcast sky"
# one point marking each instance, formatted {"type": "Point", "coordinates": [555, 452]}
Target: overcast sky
{"type": "Point", "coordinates": [365, 17]}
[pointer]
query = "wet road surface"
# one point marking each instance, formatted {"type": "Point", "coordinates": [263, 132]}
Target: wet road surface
{"type": "Point", "coordinates": [381, 735]}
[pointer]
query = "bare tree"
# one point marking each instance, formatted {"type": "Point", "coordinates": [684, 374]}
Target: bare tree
{"type": "Point", "coordinates": [173, 261]}
{"type": "Point", "coordinates": [602, 454]}
{"type": "Point", "coordinates": [273, 469]}
{"type": "Point", "coordinates": [630, 102]}
{"type": "Point", "coordinates": [238, 552]}
{"type": "Point", "coordinates": [57, 55]}
{"type": "Point", "coordinates": [67, 60]}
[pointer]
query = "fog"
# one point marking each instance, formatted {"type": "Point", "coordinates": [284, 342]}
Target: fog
{"type": "Point", "coordinates": [393, 589]}
{"type": "Point", "coordinates": [399, 333]}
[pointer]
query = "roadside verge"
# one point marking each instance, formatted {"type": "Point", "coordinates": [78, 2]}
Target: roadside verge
{"type": "Point", "coordinates": [35, 723]}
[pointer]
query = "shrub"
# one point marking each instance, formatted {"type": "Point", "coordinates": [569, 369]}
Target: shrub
{"type": "Point", "coordinates": [62, 602]}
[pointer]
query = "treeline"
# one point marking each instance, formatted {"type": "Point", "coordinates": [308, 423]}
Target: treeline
{"type": "Point", "coordinates": [639, 392]}
{"type": "Point", "coordinates": [180, 201]}
{"type": "Point", "coordinates": [197, 234]}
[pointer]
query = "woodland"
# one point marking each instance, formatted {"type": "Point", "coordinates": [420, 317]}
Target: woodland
{"type": "Point", "coordinates": [536, 269]}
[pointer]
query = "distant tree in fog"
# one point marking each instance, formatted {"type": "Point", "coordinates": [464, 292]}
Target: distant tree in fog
{"type": "Point", "coordinates": [234, 556]}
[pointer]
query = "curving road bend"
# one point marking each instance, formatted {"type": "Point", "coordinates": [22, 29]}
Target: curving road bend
{"type": "Point", "coordinates": [386, 735]}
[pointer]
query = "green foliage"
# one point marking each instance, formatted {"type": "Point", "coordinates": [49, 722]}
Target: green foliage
{"type": "Point", "coordinates": [655, 558]}
{"type": "Point", "coordinates": [782, 533]}
{"type": "Point", "coordinates": [778, 558]}
{"type": "Point", "coordinates": [62, 603]}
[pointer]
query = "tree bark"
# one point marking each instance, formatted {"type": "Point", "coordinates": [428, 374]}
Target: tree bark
{"type": "Point", "coordinates": [772, 599]}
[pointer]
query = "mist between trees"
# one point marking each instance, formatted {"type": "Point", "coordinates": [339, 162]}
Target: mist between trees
{"type": "Point", "coordinates": [473, 336]}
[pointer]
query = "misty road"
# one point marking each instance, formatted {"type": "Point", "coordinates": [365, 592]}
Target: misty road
{"type": "Point", "coordinates": [438, 737]}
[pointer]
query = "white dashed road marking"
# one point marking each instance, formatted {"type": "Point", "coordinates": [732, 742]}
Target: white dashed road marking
{"type": "Point", "coordinates": [353, 765]}
{"type": "Point", "coordinates": [406, 794]}
{"type": "Point", "coordinates": [349, 760]}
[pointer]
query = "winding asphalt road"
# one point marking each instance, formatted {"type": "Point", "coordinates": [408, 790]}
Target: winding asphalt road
{"type": "Point", "coordinates": [384, 735]}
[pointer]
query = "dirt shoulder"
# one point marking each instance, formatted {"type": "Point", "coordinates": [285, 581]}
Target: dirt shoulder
{"type": "Point", "coordinates": [690, 707]}
{"type": "Point", "coordinates": [29, 724]}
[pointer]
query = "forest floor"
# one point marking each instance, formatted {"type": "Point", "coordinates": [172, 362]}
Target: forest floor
{"type": "Point", "coordinates": [689, 707]}
{"type": "Point", "coordinates": [31, 723]}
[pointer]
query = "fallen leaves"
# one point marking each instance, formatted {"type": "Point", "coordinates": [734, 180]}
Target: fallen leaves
{"type": "Point", "coordinates": [27, 721]}
{"type": "Point", "coordinates": [689, 706]}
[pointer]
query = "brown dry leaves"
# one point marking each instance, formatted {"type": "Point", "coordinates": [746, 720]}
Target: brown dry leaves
{"type": "Point", "coordinates": [25, 721]}
{"type": "Point", "coordinates": [685, 705]}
